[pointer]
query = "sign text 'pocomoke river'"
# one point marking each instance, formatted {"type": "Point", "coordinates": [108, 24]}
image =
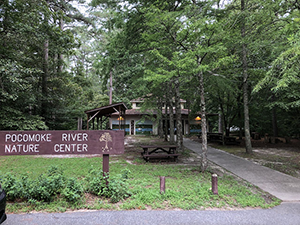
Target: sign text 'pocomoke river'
{"type": "Point", "coordinates": [61, 142]}
{"type": "Point", "coordinates": [25, 139]}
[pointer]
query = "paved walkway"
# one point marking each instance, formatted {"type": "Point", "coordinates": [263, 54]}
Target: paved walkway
{"type": "Point", "coordinates": [282, 186]}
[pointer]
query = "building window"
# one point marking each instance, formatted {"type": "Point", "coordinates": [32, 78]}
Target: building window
{"type": "Point", "coordinates": [143, 129]}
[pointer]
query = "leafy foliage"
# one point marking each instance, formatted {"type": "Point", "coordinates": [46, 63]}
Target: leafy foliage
{"type": "Point", "coordinates": [52, 69]}
{"type": "Point", "coordinates": [116, 188]}
{"type": "Point", "coordinates": [37, 90]}
{"type": "Point", "coordinates": [54, 182]}
{"type": "Point", "coordinates": [73, 190]}
{"type": "Point", "coordinates": [12, 186]}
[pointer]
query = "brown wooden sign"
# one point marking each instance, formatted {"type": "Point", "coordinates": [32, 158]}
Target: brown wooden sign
{"type": "Point", "coordinates": [61, 142]}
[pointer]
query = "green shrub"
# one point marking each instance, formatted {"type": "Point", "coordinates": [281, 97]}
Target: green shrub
{"type": "Point", "coordinates": [117, 188]}
{"type": "Point", "coordinates": [95, 181]}
{"type": "Point", "coordinates": [57, 179]}
{"type": "Point", "coordinates": [46, 186]}
{"type": "Point", "coordinates": [40, 189]}
{"type": "Point", "coordinates": [12, 186]}
{"type": "Point", "coordinates": [73, 190]}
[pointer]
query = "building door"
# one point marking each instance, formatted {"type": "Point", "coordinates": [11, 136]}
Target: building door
{"type": "Point", "coordinates": [132, 127]}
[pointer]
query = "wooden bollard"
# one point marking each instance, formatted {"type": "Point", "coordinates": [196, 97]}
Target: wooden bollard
{"type": "Point", "coordinates": [162, 185]}
{"type": "Point", "coordinates": [214, 184]}
{"type": "Point", "coordinates": [105, 167]}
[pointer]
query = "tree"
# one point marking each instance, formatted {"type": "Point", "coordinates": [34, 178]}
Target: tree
{"type": "Point", "coordinates": [282, 79]}
{"type": "Point", "coordinates": [32, 43]}
{"type": "Point", "coordinates": [179, 42]}
{"type": "Point", "coordinates": [257, 45]}
{"type": "Point", "coordinates": [245, 80]}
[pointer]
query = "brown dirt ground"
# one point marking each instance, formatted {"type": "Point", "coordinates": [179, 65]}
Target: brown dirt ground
{"type": "Point", "coordinates": [133, 151]}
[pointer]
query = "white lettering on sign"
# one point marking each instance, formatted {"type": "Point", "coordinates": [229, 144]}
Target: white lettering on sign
{"type": "Point", "coordinates": [21, 148]}
{"type": "Point", "coordinates": [27, 137]}
{"type": "Point", "coordinates": [71, 148]}
{"type": "Point", "coordinates": [74, 137]}
{"type": "Point", "coordinates": [53, 142]}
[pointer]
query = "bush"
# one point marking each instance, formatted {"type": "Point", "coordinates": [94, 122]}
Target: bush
{"type": "Point", "coordinates": [12, 186]}
{"type": "Point", "coordinates": [46, 186]}
{"type": "Point", "coordinates": [53, 183]}
{"type": "Point", "coordinates": [72, 191]}
{"type": "Point", "coordinates": [43, 189]}
{"type": "Point", "coordinates": [117, 188]}
{"type": "Point", "coordinates": [95, 181]}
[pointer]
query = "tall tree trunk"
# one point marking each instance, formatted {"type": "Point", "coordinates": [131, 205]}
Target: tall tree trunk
{"type": "Point", "coordinates": [274, 119]}
{"type": "Point", "coordinates": [110, 87]}
{"type": "Point", "coordinates": [239, 115]}
{"type": "Point", "coordinates": [61, 57]}
{"type": "Point", "coordinates": [274, 122]}
{"type": "Point", "coordinates": [178, 115]}
{"type": "Point", "coordinates": [204, 161]}
{"type": "Point", "coordinates": [220, 124]}
{"type": "Point", "coordinates": [171, 113]}
{"type": "Point", "coordinates": [160, 118]}
{"type": "Point", "coordinates": [166, 117]}
{"type": "Point", "coordinates": [44, 109]}
{"type": "Point", "coordinates": [245, 84]}
{"type": "Point", "coordinates": [188, 127]}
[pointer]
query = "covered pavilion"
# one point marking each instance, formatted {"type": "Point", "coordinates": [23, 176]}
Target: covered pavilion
{"type": "Point", "coordinates": [101, 115]}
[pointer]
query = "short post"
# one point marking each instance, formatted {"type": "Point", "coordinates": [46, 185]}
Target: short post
{"type": "Point", "coordinates": [105, 167]}
{"type": "Point", "coordinates": [214, 183]}
{"type": "Point", "coordinates": [162, 185]}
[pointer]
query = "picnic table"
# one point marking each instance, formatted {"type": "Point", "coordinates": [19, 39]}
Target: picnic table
{"type": "Point", "coordinates": [159, 152]}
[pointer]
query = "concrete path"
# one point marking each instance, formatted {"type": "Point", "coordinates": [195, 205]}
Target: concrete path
{"type": "Point", "coordinates": [282, 186]}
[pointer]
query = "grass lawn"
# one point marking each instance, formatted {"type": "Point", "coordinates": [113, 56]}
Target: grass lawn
{"type": "Point", "coordinates": [186, 187]}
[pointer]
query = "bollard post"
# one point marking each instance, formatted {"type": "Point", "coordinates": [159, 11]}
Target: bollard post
{"type": "Point", "coordinates": [162, 185]}
{"type": "Point", "coordinates": [105, 167]}
{"type": "Point", "coordinates": [214, 183]}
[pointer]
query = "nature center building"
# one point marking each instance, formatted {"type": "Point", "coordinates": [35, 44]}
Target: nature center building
{"type": "Point", "coordinates": [145, 122]}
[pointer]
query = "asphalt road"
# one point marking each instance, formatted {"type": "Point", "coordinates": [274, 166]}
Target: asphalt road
{"type": "Point", "coordinates": [285, 214]}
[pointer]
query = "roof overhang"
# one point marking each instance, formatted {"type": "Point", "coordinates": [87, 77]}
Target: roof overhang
{"type": "Point", "coordinates": [107, 110]}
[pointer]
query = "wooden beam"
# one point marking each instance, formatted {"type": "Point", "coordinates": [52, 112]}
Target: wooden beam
{"type": "Point", "coordinates": [94, 116]}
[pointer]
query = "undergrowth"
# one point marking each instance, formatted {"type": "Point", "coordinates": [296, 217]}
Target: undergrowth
{"type": "Point", "coordinates": [56, 185]}
{"type": "Point", "coordinates": [78, 183]}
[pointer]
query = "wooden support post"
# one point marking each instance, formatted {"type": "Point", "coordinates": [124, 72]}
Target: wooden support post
{"type": "Point", "coordinates": [162, 185]}
{"type": "Point", "coordinates": [87, 122]}
{"type": "Point", "coordinates": [105, 167]}
{"type": "Point", "coordinates": [214, 183]}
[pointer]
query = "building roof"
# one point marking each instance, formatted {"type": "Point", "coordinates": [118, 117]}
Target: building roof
{"type": "Point", "coordinates": [143, 99]}
{"type": "Point", "coordinates": [149, 112]}
{"type": "Point", "coordinates": [108, 109]}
